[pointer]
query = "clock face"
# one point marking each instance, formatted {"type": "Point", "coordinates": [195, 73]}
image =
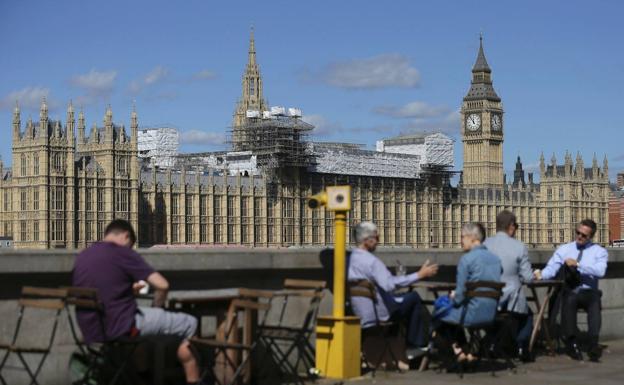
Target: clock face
{"type": "Point", "coordinates": [497, 122]}
{"type": "Point", "coordinates": [473, 122]}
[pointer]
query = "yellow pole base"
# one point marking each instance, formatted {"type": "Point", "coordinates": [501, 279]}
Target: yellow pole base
{"type": "Point", "coordinates": [338, 347]}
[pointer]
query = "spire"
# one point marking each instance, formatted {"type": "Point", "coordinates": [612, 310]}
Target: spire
{"type": "Point", "coordinates": [43, 111]}
{"type": "Point", "coordinates": [30, 131]}
{"type": "Point", "coordinates": [57, 129]}
{"type": "Point", "coordinates": [108, 124]}
{"type": "Point", "coordinates": [70, 122]}
{"type": "Point", "coordinates": [134, 124]}
{"type": "Point", "coordinates": [95, 134]}
{"type": "Point", "coordinates": [605, 167]}
{"type": "Point", "coordinates": [481, 85]}
{"type": "Point", "coordinates": [481, 65]}
{"type": "Point", "coordinates": [579, 166]}
{"type": "Point", "coordinates": [542, 165]}
{"type": "Point", "coordinates": [568, 164]}
{"type": "Point", "coordinates": [17, 122]}
{"type": "Point", "coordinates": [252, 48]}
{"type": "Point", "coordinates": [81, 126]}
{"type": "Point", "coordinates": [518, 180]}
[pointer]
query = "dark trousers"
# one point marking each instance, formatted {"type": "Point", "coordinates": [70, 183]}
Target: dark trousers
{"type": "Point", "coordinates": [415, 315]}
{"type": "Point", "coordinates": [523, 327]}
{"type": "Point", "coordinates": [588, 300]}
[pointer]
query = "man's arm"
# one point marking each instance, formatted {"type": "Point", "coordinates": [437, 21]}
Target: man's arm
{"type": "Point", "coordinates": [525, 272]}
{"type": "Point", "coordinates": [553, 265]}
{"type": "Point", "coordinates": [161, 287]}
{"type": "Point", "coordinates": [598, 268]}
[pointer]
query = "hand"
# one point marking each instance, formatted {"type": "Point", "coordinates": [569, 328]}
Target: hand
{"type": "Point", "coordinates": [137, 286]}
{"type": "Point", "coordinates": [452, 294]}
{"type": "Point", "coordinates": [571, 262]}
{"type": "Point", "coordinates": [537, 274]}
{"type": "Point", "coordinates": [427, 270]}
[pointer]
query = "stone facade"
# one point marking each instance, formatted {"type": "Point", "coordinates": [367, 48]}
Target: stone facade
{"type": "Point", "coordinates": [62, 191]}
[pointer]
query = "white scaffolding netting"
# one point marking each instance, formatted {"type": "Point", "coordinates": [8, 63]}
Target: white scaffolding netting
{"type": "Point", "coordinates": [159, 145]}
{"type": "Point", "coordinates": [346, 160]}
{"type": "Point", "coordinates": [434, 149]}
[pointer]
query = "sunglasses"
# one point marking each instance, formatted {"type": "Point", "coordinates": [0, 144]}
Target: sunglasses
{"type": "Point", "coordinates": [579, 234]}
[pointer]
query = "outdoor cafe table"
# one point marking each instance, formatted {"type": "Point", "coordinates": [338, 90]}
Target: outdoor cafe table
{"type": "Point", "coordinates": [216, 302]}
{"type": "Point", "coordinates": [540, 309]}
{"type": "Point", "coordinates": [434, 286]}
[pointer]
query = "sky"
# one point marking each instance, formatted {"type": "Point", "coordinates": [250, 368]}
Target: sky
{"type": "Point", "coordinates": [360, 71]}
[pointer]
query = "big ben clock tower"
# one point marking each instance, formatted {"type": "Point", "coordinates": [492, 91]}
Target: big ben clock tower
{"type": "Point", "coordinates": [482, 129]}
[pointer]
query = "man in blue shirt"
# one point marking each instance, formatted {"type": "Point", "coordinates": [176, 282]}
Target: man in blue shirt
{"type": "Point", "coordinates": [590, 260]}
{"type": "Point", "coordinates": [364, 265]}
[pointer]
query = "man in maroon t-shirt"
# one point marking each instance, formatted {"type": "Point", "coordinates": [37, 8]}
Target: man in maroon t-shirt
{"type": "Point", "coordinates": [112, 267]}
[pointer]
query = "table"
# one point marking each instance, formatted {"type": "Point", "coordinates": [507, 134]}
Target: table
{"type": "Point", "coordinates": [216, 303]}
{"type": "Point", "coordinates": [434, 286]}
{"type": "Point", "coordinates": [540, 310]}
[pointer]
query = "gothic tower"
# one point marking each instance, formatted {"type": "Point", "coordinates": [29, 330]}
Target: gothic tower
{"type": "Point", "coordinates": [482, 129]}
{"type": "Point", "coordinates": [251, 99]}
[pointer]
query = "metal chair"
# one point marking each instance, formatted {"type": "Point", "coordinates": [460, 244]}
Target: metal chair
{"type": "Point", "coordinates": [109, 358]}
{"type": "Point", "coordinates": [223, 348]}
{"type": "Point", "coordinates": [482, 337]}
{"type": "Point", "coordinates": [379, 340]}
{"type": "Point", "coordinates": [284, 340]}
{"type": "Point", "coordinates": [33, 299]}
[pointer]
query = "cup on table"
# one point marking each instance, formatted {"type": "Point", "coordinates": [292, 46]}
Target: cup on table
{"type": "Point", "coordinates": [401, 270]}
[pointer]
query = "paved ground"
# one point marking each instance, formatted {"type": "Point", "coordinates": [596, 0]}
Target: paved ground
{"type": "Point", "coordinates": [558, 370]}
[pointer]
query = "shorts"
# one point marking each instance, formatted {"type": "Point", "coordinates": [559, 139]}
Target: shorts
{"type": "Point", "coordinates": [155, 321]}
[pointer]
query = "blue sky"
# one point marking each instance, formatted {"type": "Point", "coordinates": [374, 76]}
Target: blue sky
{"type": "Point", "coordinates": [359, 70]}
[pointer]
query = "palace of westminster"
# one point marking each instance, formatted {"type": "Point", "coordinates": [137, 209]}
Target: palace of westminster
{"type": "Point", "coordinates": [68, 181]}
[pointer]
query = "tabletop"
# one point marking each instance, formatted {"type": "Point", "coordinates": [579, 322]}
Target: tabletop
{"type": "Point", "coordinates": [544, 283]}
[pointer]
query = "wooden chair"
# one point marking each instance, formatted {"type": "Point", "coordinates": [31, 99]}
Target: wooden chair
{"type": "Point", "coordinates": [33, 300]}
{"type": "Point", "coordinates": [284, 340]}
{"type": "Point", "coordinates": [381, 343]}
{"type": "Point", "coordinates": [231, 351]}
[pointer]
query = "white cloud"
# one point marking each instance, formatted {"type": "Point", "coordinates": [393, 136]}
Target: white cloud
{"type": "Point", "coordinates": [386, 70]}
{"type": "Point", "coordinates": [325, 127]}
{"type": "Point", "coordinates": [204, 75]}
{"type": "Point", "coordinates": [156, 75]}
{"type": "Point", "coordinates": [447, 123]}
{"type": "Point", "coordinates": [417, 109]}
{"type": "Point", "coordinates": [322, 126]}
{"type": "Point", "coordinates": [202, 137]}
{"type": "Point", "coordinates": [95, 82]}
{"type": "Point", "coordinates": [28, 97]}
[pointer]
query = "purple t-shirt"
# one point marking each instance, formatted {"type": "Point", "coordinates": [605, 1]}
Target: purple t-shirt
{"type": "Point", "coordinates": [111, 269]}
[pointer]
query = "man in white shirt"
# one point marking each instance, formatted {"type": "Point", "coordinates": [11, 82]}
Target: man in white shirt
{"type": "Point", "coordinates": [364, 265]}
{"type": "Point", "coordinates": [590, 261]}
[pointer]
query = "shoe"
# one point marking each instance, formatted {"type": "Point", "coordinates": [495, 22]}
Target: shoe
{"type": "Point", "coordinates": [414, 353]}
{"type": "Point", "coordinates": [525, 356]}
{"type": "Point", "coordinates": [595, 353]}
{"type": "Point", "coordinates": [574, 352]}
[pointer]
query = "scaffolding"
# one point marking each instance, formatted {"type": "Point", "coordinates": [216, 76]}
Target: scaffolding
{"type": "Point", "coordinates": [277, 141]}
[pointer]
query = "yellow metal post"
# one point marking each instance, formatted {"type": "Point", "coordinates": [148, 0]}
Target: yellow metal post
{"type": "Point", "coordinates": [340, 224]}
{"type": "Point", "coordinates": [337, 336]}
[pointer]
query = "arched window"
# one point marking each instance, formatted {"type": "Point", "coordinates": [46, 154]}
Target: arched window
{"type": "Point", "coordinates": [23, 165]}
{"type": "Point", "coordinates": [58, 162]}
{"type": "Point", "coordinates": [35, 164]}
{"type": "Point", "coordinates": [122, 166]}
